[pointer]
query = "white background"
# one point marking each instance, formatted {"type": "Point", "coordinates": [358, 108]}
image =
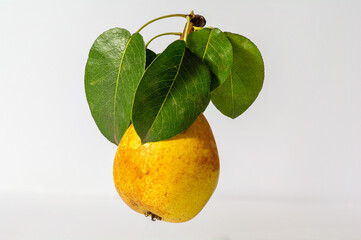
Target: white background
{"type": "Point", "coordinates": [296, 152]}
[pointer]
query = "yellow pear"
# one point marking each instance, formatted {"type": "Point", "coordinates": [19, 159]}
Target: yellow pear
{"type": "Point", "coordinates": [169, 180]}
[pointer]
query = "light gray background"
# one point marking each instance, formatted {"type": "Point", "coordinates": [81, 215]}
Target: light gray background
{"type": "Point", "coordinates": [296, 152]}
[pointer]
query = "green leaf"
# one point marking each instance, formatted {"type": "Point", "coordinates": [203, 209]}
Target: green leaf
{"type": "Point", "coordinates": [245, 80]}
{"type": "Point", "coordinates": [214, 48]}
{"type": "Point", "coordinates": [173, 92]}
{"type": "Point", "coordinates": [113, 71]}
{"type": "Point", "coordinates": [150, 56]}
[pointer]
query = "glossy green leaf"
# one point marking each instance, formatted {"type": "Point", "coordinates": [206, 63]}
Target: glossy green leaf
{"type": "Point", "coordinates": [173, 92]}
{"type": "Point", "coordinates": [214, 48]}
{"type": "Point", "coordinates": [113, 71]}
{"type": "Point", "coordinates": [150, 56]}
{"type": "Point", "coordinates": [245, 80]}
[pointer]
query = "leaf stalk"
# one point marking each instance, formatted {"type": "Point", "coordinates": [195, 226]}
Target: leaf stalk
{"type": "Point", "coordinates": [163, 34]}
{"type": "Point", "coordinates": [187, 26]}
{"type": "Point", "coordinates": [162, 17]}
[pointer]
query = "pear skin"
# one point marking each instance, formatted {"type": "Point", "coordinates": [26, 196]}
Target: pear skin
{"type": "Point", "coordinates": [169, 180]}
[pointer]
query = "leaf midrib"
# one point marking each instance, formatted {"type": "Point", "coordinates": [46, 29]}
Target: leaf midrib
{"type": "Point", "coordinates": [170, 88]}
{"type": "Point", "coordinates": [232, 95]}
{"type": "Point", "coordinates": [116, 88]}
{"type": "Point", "coordinates": [206, 49]}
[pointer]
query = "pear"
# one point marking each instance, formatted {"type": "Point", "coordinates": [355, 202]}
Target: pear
{"type": "Point", "coordinates": [169, 180]}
